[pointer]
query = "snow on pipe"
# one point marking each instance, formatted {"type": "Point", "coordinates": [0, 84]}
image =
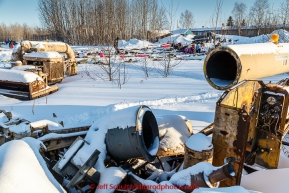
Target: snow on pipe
{"type": "Point", "coordinates": [225, 66]}
{"type": "Point", "coordinates": [134, 141]}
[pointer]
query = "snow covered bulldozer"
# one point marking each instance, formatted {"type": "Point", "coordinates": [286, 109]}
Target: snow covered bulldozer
{"type": "Point", "coordinates": [49, 61]}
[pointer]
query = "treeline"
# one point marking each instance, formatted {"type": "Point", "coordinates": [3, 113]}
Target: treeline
{"type": "Point", "coordinates": [19, 32]}
{"type": "Point", "coordinates": [92, 22]}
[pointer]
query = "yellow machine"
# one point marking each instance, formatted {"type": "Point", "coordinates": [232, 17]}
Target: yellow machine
{"type": "Point", "coordinates": [251, 117]}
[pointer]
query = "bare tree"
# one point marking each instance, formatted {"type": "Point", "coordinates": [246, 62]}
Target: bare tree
{"type": "Point", "coordinates": [216, 16]}
{"type": "Point", "coordinates": [284, 12]}
{"type": "Point", "coordinates": [258, 13]}
{"type": "Point", "coordinates": [166, 66]}
{"type": "Point", "coordinates": [239, 12]}
{"type": "Point", "coordinates": [187, 19]}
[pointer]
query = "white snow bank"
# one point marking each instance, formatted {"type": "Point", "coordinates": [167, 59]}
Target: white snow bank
{"type": "Point", "coordinates": [233, 189]}
{"type": "Point", "coordinates": [199, 142]}
{"type": "Point", "coordinates": [269, 181]}
{"type": "Point", "coordinates": [110, 179]}
{"type": "Point", "coordinates": [18, 76]}
{"type": "Point", "coordinates": [50, 54]}
{"type": "Point", "coordinates": [133, 44]}
{"type": "Point", "coordinates": [21, 170]}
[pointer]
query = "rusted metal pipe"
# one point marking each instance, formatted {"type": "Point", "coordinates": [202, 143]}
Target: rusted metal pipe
{"type": "Point", "coordinates": [222, 173]}
{"type": "Point", "coordinates": [213, 180]}
{"type": "Point", "coordinates": [134, 141]}
{"type": "Point", "coordinates": [208, 130]}
{"type": "Point", "coordinates": [225, 66]}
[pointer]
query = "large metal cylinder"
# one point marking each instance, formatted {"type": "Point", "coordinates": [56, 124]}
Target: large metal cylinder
{"type": "Point", "coordinates": [225, 66]}
{"type": "Point", "coordinates": [139, 140]}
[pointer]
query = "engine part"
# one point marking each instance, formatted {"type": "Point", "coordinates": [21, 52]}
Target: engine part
{"type": "Point", "coordinates": [250, 123]}
{"type": "Point", "coordinates": [141, 140]}
{"type": "Point", "coordinates": [213, 180]}
{"type": "Point", "coordinates": [272, 125]}
{"type": "Point", "coordinates": [225, 66]}
{"type": "Point", "coordinates": [73, 172]}
{"type": "Point", "coordinates": [232, 126]}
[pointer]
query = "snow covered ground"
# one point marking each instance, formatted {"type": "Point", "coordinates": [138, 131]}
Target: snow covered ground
{"type": "Point", "coordinates": [83, 99]}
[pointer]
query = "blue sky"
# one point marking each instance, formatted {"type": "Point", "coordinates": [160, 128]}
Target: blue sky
{"type": "Point", "coordinates": [25, 11]}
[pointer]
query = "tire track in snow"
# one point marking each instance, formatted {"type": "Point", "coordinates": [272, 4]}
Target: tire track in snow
{"type": "Point", "coordinates": [201, 98]}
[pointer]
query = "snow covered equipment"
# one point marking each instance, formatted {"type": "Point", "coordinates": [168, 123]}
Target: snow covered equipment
{"type": "Point", "coordinates": [250, 123]}
{"type": "Point", "coordinates": [23, 85]}
{"type": "Point", "coordinates": [73, 172]}
{"type": "Point", "coordinates": [52, 60]}
{"type": "Point", "coordinates": [226, 66]}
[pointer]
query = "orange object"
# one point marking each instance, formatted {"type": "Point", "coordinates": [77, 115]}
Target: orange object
{"type": "Point", "coordinates": [274, 38]}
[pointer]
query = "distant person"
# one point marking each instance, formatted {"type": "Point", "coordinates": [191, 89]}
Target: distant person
{"type": "Point", "coordinates": [8, 41]}
{"type": "Point", "coordinates": [11, 45]}
{"type": "Point", "coordinates": [101, 54]}
{"type": "Point", "coordinates": [198, 48]}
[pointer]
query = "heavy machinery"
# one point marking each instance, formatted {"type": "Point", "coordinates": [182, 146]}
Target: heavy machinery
{"type": "Point", "coordinates": [49, 61]}
{"type": "Point", "coordinates": [251, 117]}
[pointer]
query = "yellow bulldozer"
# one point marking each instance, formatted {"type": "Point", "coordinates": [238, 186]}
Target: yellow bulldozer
{"type": "Point", "coordinates": [36, 67]}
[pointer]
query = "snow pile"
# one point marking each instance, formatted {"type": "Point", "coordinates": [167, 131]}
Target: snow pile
{"type": "Point", "coordinates": [183, 177]}
{"type": "Point", "coordinates": [39, 45]}
{"type": "Point", "coordinates": [50, 54]}
{"type": "Point", "coordinates": [21, 128]}
{"type": "Point", "coordinates": [177, 38]}
{"type": "Point", "coordinates": [275, 180]}
{"type": "Point", "coordinates": [133, 44]}
{"type": "Point", "coordinates": [23, 170]}
{"type": "Point", "coordinates": [43, 123]}
{"type": "Point", "coordinates": [111, 176]}
{"type": "Point", "coordinates": [173, 132]}
{"type": "Point", "coordinates": [199, 142]}
{"type": "Point", "coordinates": [18, 76]}
{"type": "Point", "coordinates": [283, 35]}
{"type": "Point", "coordinates": [23, 68]}
{"type": "Point", "coordinates": [233, 189]}
{"type": "Point", "coordinates": [5, 54]}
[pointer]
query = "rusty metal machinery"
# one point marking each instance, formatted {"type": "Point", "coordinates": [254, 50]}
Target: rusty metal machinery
{"type": "Point", "coordinates": [251, 117]}
{"type": "Point", "coordinates": [69, 61]}
{"type": "Point", "coordinates": [250, 123]}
